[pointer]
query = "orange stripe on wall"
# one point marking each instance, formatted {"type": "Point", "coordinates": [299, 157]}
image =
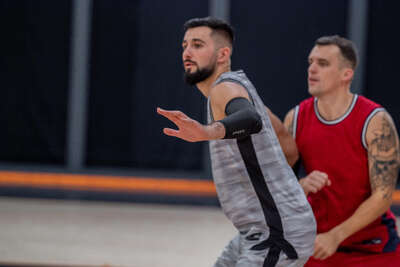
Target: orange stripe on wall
{"type": "Point", "coordinates": [115, 183]}
{"type": "Point", "coordinates": [108, 183]}
{"type": "Point", "coordinates": [396, 197]}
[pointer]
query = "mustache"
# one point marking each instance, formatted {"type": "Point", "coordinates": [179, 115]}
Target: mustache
{"type": "Point", "coordinates": [187, 60]}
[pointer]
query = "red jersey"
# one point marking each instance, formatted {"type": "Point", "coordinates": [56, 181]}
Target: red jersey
{"type": "Point", "coordinates": [339, 149]}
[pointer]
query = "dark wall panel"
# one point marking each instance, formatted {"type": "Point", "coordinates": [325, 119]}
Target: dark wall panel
{"type": "Point", "coordinates": [135, 67]}
{"type": "Point", "coordinates": [112, 62]}
{"type": "Point", "coordinates": [158, 82]}
{"type": "Point", "coordinates": [34, 68]}
{"type": "Point", "coordinates": [383, 55]}
{"type": "Point", "coordinates": [274, 39]}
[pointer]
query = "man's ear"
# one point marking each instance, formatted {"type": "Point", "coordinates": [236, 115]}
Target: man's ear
{"type": "Point", "coordinates": [348, 74]}
{"type": "Point", "coordinates": [224, 54]}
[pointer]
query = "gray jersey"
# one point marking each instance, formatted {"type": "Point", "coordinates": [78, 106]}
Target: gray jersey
{"type": "Point", "coordinates": [255, 185]}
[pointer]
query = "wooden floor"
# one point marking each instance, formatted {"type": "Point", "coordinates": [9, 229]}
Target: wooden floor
{"type": "Point", "coordinates": [71, 233]}
{"type": "Point", "coordinates": [56, 232]}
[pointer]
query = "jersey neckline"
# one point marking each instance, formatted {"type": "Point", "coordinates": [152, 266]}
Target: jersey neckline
{"type": "Point", "coordinates": [338, 120]}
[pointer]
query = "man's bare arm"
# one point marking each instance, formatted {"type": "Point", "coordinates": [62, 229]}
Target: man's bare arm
{"type": "Point", "coordinates": [285, 139]}
{"type": "Point", "coordinates": [383, 157]}
{"type": "Point", "coordinates": [189, 129]}
{"type": "Point", "coordinates": [383, 161]}
{"type": "Point", "coordinates": [288, 121]}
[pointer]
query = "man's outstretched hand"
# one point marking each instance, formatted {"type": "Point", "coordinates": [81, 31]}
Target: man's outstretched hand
{"type": "Point", "coordinates": [191, 130]}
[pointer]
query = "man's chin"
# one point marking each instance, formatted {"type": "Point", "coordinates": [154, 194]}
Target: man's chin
{"type": "Point", "coordinates": [195, 77]}
{"type": "Point", "coordinates": [188, 71]}
{"type": "Point", "coordinates": [312, 91]}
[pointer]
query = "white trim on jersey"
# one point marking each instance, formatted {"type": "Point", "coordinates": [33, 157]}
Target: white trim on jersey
{"type": "Point", "coordinates": [321, 119]}
{"type": "Point", "coordinates": [364, 131]}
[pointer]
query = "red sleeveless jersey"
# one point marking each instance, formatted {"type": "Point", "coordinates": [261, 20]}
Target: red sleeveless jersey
{"type": "Point", "coordinates": [338, 148]}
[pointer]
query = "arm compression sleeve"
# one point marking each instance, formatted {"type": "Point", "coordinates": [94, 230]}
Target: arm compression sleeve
{"type": "Point", "coordinates": [241, 119]}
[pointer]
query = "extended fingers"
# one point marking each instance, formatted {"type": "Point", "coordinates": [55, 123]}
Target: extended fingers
{"type": "Point", "coordinates": [173, 115]}
{"type": "Point", "coordinates": [169, 114]}
{"type": "Point", "coordinates": [171, 132]}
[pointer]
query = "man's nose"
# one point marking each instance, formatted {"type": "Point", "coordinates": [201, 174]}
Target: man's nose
{"type": "Point", "coordinates": [186, 54]}
{"type": "Point", "coordinates": [312, 68]}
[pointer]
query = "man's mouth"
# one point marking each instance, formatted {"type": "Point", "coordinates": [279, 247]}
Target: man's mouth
{"type": "Point", "coordinates": [188, 64]}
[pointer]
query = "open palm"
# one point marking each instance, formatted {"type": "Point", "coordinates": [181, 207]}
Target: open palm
{"type": "Point", "coordinates": [188, 129]}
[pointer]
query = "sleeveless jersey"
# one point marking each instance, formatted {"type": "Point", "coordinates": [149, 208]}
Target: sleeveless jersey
{"type": "Point", "coordinates": [255, 185]}
{"type": "Point", "coordinates": [339, 149]}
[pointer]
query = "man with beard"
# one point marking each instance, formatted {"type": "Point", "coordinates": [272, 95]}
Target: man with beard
{"type": "Point", "coordinates": [257, 189]}
{"type": "Point", "coordinates": [350, 149]}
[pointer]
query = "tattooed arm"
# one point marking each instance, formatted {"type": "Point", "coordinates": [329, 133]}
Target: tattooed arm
{"type": "Point", "coordinates": [383, 156]}
{"type": "Point", "coordinates": [285, 138]}
{"type": "Point", "coordinates": [383, 161]}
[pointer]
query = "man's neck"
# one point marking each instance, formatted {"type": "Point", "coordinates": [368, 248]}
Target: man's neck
{"type": "Point", "coordinates": [206, 85]}
{"type": "Point", "coordinates": [334, 105]}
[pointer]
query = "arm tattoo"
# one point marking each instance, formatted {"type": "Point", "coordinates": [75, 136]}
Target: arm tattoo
{"type": "Point", "coordinates": [383, 154]}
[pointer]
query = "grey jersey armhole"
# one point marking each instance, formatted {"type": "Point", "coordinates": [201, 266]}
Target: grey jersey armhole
{"type": "Point", "coordinates": [366, 123]}
{"type": "Point", "coordinates": [294, 123]}
{"type": "Point", "coordinates": [229, 79]}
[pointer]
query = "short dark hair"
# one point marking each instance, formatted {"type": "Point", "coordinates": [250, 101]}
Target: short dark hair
{"type": "Point", "coordinates": [217, 25]}
{"type": "Point", "coordinates": [347, 47]}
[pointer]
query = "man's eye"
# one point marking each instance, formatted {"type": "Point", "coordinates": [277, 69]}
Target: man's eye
{"type": "Point", "coordinates": [197, 45]}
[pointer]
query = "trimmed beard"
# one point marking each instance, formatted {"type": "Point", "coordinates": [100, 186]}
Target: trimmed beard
{"type": "Point", "coordinates": [199, 75]}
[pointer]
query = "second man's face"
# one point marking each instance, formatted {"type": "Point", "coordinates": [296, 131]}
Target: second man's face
{"type": "Point", "coordinates": [324, 70]}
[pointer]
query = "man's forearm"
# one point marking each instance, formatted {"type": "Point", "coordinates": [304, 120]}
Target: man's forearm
{"type": "Point", "coordinates": [215, 130]}
{"type": "Point", "coordinates": [366, 213]}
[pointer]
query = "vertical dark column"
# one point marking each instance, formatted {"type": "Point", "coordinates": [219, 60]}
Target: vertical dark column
{"type": "Point", "coordinates": [220, 9]}
{"type": "Point", "coordinates": [357, 30]}
{"type": "Point", "coordinates": [77, 107]}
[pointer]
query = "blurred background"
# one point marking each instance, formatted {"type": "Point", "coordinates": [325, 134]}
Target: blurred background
{"type": "Point", "coordinates": [80, 82]}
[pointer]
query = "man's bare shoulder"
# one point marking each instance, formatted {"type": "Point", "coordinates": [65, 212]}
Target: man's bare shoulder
{"type": "Point", "coordinates": [221, 94]}
{"type": "Point", "coordinates": [381, 125]}
{"type": "Point", "coordinates": [224, 89]}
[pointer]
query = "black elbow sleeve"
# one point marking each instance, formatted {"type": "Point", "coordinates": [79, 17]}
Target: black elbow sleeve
{"type": "Point", "coordinates": [241, 119]}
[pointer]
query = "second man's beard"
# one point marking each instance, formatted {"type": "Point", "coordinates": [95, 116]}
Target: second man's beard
{"type": "Point", "coordinates": [199, 75]}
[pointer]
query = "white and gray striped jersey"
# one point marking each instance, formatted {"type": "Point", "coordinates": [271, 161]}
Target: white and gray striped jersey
{"type": "Point", "coordinates": [256, 186]}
